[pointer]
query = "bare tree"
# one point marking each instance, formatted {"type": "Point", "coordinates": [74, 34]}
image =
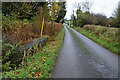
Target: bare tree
{"type": "Point", "coordinates": [116, 15]}
{"type": "Point", "coordinates": [101, 19]}
{"type": "Point", "coordinates": [86, 6]}
{"type": "Point", "coordinates": [118, 11]}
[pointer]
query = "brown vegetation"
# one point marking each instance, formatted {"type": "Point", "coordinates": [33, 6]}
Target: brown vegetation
{"type": "Point", "coordinates": [27, 32]}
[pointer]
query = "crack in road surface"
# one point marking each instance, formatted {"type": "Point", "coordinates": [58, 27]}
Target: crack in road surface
{"type": "Point", "coordinates": [80, 57]}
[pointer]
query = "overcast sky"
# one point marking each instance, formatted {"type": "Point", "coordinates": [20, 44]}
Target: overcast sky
{"type": "Point", "coordinates": [105, 7]}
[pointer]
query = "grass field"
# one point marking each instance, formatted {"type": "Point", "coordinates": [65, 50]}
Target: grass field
{"type": "Point", "coordinates": [68, 22]}
{"type": "Point", "coordinates": [104, 39]}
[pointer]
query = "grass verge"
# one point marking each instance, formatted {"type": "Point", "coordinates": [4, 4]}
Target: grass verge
{"type": "Point", "coordinates": [40, 65]}
{"type": "Point", "coordinates": [112, 46]}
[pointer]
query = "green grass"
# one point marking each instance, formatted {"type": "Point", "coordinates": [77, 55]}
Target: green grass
{"type": "Point", "coordinates": [68, 21]}
{"type": "Point", "coordinates": [112, 46]}
{"type": "Point", "coordinates": [40, 65]}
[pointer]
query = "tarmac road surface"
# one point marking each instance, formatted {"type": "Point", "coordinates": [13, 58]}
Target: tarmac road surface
{"type": "Point", "coordinates": [81, 57]}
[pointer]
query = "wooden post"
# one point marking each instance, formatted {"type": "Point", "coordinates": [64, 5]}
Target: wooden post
{"type": "Point", "coordinates": [52, 19]}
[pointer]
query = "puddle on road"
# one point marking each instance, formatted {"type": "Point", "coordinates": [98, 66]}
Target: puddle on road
{"type": "Point", "coordinates": [101, 69]}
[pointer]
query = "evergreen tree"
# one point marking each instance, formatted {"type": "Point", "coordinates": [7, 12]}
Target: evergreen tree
{"type": "Point", "coordinates": [62, 12]}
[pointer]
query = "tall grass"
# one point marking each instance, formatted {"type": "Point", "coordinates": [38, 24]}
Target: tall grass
{"type": "Point", "coordinates": [106, 33]}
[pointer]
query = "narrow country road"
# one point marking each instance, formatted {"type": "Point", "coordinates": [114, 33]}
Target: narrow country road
{"type": "Point", "coordinates": [80, 57]}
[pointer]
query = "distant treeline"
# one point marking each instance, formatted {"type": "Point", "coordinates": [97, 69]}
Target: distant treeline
{"type": "Point", "coordinates": [85, 17]}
